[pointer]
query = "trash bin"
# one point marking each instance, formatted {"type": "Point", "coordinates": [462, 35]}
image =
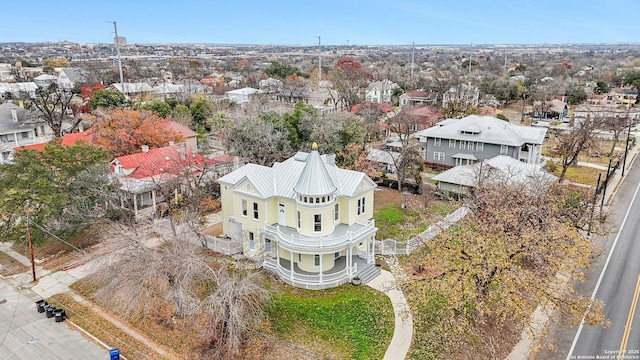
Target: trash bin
{"type": "Point", "coordinates": [49, 310]}
{"type": "Point", "coordinates": [114, 354]}
{"type": "Point", "coordinates": [40, 304]}
{"type": "Point", "coordinates": [59, 314]}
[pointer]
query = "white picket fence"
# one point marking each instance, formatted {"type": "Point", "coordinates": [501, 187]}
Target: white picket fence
{"type": "Point", "coordinates": [397, 247]}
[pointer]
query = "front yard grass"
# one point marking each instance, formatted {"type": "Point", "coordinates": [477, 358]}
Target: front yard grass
{"type": "Point", "coordinates": [347, 322]}
{"type": "Point", "coordinates": [394, 222]}
{"type": "Point", "coordinates": [581, 174]}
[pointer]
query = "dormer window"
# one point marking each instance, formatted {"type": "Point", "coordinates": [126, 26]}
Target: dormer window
{"type": "Point", "coordinates": [317, 223]}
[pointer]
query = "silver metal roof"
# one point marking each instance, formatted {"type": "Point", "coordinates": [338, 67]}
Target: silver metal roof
{"type": "Point", "coordinates": [281, 179]}
{"type": "Point", "coordinates": [314, 179]}
{"type": "Point", "coordinates": [501, 168]}
{"type": "Point", "coordinates": [486, 129]}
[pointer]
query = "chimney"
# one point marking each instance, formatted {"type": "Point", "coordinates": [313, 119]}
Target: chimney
{"type": "Point", "coordinates": [14, 114]}
{"type": "Point", "coordinates": [145, 148]}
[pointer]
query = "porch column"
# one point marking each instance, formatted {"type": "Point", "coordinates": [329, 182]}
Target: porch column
{"type": "Point", "coordinates": [291, 259]}
{"type": "Point", "coordinates": [153, 199]}
{"type": "Point", "coordinates": [15, 137]}
{"type": "Point", "coordinates": [321, 267]}
{"type": "Point", "coordinates": [135, 205]}
{"type": "Point", "coordinates": [349, 261]}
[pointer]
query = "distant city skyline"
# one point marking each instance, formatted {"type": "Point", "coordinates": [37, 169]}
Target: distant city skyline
{"type": "Point", "coordinates": [289, 22]}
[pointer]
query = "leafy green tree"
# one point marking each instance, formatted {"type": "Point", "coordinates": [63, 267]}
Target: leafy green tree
{"type": "Point", "coordinates": [631, 78]}
{"type": "Point", "coordinates": [107, 99]}
{"type": "Point", "coordinates": [601, 87]}
{"type": "Point", "coordinates": [200, 109]}
{"type": "Point", "coordinates": [279, 70]}
{"type": "Point", "coordinates": [45, 182]}
{"type": "Point", "coordinates": [576, 95]}
{"type": "Point", "coordinates": [158, 107]}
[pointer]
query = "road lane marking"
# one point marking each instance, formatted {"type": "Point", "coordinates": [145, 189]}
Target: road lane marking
{"type": "Point", "coordinates": [627, 327]}
{"type": "Point", "coordinates": [604, 269]}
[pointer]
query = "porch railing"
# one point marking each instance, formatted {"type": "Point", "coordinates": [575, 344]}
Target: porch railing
{"type": "Point", "coordinates": [307, 281]}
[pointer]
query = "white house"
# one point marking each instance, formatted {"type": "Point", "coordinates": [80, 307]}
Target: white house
{"type": "Point", "coordinates": [380, 91]}
{"type": "Point", "coordinates": [242, 96]}
{"type": "Point", "coordinates": [304, 219]}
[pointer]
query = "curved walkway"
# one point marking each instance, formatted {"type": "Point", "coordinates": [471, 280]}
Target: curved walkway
{"type": "Point", "coordinates": [403, 330]}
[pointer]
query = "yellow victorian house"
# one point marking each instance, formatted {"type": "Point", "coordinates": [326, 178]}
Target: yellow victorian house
{"type": "Point", "coordinates": [304, 219]}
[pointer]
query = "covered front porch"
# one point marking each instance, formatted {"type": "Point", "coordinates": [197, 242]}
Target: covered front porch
{"type": "Point", "coordinates": [339, 274]}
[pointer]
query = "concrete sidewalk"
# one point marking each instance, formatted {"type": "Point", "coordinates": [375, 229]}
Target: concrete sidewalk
{"type": "Point", "coordinates": [403, 330]}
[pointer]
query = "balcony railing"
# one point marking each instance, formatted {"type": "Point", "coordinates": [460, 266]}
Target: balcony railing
{"type": "Point", "coordinates": [300, 242]}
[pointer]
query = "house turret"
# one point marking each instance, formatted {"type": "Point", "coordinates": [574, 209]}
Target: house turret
{"type": "Point", "coordinates": [315, 196]}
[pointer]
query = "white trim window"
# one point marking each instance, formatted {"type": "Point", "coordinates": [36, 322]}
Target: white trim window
{"type": "Point", "coordinates": [479, 146]}
{"type": "Point", "coordinates": [437, 142]}
{"type": "Point", "coordinates": [252, 241]}
{"type": "Point", "coordinates": [438, 156]}
{"type": "Point", "coordinates": [298, 219]}
{"type": "Point", "coordinates": [316, 260]}
{"type": "Point", "coordinates": [317, 223]}
{"type": "Point", "coordinates": [452, 143]}
{"type": "Point", "coordinates": [463, 144]}
{"type": "Point", "coordinates": [244, 207]}
{"type": "Point", "coordinates": [336, 212]}
{"type": "Point", "coordinates": [256, 213]}
{"type": "Point", "coordinates": [504, 149]}
{"type": "Point", "coordinates": [361, 206]}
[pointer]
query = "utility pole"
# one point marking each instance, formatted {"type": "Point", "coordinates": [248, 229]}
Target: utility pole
{"type": "Point", "coordinates": [626, 148]}
{"type": "Point", "coordinates": [470, 58]}
{"type": "Point", "coordinates": [413, 55]}
{"type": "Point", "coordinates": [505, 63]}
{"type": "Point", "coordinates": [319, 60]}
{"type": "Point", "coordinates": [117, 43]}
{"type": "Point", "coordinates": [33, 263]}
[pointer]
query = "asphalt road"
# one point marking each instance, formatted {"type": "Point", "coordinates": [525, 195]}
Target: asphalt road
{"type": "Point", "coordinates": [26, 334]}
{"type": "Point", "coordinates": [618, 286]}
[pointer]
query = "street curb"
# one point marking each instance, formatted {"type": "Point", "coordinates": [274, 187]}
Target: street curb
{"type": "Point", "coordinates": [622, 178]}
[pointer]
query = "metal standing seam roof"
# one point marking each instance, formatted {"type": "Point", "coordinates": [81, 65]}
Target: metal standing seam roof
{"type": "Point", "coordinates": [281, 179]}
{"type": "Point", "coordinates": [491, 131]}
{"type": "Point", "coordinates": [314, 179]}
{"type": "Point", "coordinates": [508, 168]}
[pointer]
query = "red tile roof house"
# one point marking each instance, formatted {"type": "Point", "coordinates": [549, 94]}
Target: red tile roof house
{"type": "Point", "coordinates": [154, 176]}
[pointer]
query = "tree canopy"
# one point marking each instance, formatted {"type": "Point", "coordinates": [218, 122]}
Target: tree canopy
{"type": "Point", "coordinates": [123, 132]}
{"type": "Point", "coordinates": [518, 247]}
{"type": "Point", "coordinates": [107, 99]}
{"type": "Point", "coordinates": [48, 183]}
{"type": "Point", "coordinates": [281, 71]}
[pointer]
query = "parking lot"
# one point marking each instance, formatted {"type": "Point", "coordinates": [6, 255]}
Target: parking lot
{"type": "Point", "coordinates": [28, 335]}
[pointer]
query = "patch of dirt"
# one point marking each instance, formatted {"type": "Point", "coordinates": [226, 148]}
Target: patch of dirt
{"type": "Point", "coordinates": [10, 266]}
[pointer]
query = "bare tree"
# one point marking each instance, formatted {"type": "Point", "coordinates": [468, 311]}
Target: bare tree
{"type": "Point", "coordinates": [408, 161]}
{"type": "Point", "coordinates": [574, 143]}
{"type": "Point", "coordinates": [234, 306]}
{"type": "Point", "coordinates": [53, 105]}
{"type": "Point", "coordinates": [148, 272]}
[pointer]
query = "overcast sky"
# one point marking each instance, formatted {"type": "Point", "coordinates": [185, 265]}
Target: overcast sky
{"type": "Point", "coordinates": [370, 22]}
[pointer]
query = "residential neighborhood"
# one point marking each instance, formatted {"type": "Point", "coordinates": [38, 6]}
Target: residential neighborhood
{"type": "Point", "coordinates": [318, 201]}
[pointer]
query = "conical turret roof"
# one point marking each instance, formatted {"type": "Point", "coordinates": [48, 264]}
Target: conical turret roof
{"type": "Point", "coordinates": [314, 179]}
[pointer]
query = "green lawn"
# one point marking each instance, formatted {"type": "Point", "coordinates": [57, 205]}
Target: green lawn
{"type": "Point", "coordinates": [347, 322]}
